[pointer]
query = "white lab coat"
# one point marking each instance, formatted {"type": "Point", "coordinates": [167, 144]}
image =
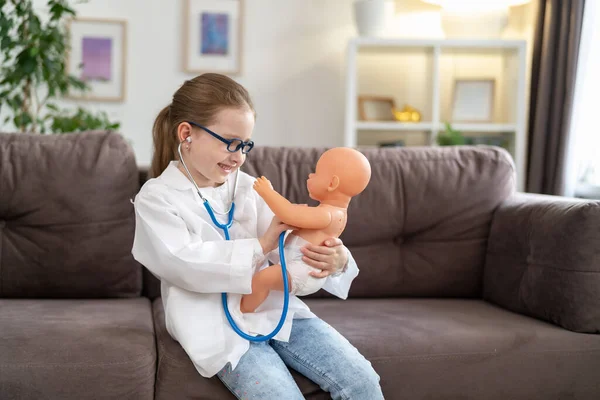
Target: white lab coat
{"type": "Point", "coordinates": [176, 240]}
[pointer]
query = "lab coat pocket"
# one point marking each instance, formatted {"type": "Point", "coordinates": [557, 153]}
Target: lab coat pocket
{"type": "Point", "coordinates": [197, 323]}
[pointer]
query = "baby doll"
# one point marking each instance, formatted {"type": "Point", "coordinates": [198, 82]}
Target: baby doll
{"type": "Point", "coordinates": [341, 174]}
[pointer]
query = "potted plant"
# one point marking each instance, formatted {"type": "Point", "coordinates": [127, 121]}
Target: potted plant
{"type": "Point", "coordinates": [451, 137]}
{"type": "Point", "coordinates": [33, 71]}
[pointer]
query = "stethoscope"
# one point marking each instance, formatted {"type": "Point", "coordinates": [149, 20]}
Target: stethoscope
{"type": "Point", "coordinates": [225, 227]}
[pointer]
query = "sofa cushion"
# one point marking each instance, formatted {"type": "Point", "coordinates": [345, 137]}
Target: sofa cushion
{"type": "Point", "coordinates": [66, 221]}
{"type": "Point", "coordinates": [465, 349]}
{"type": "Point", "coordinates": [423, 221]}
{"type": "Point", "coordinates": [77, 349]}
{"type": "Point", "coordinates": [177, 378]}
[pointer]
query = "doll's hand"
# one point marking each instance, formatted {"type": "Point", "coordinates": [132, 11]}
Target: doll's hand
{"type": "Point", "coordinates": [330, 258]}
{"type": "Point", "coordinates": [262, 186]}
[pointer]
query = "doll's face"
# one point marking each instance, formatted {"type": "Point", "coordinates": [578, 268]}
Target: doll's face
{"type": "Point", "coordinates": [317, 184]}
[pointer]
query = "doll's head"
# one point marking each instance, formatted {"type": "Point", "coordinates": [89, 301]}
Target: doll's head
{"type": "Point", "coordinates": [341, 171]}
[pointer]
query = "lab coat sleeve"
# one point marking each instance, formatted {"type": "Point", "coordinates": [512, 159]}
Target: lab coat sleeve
{"type": "Point", "coordinates": [340, 285]}
{"type": "Point", "coordinates": [164, 245]}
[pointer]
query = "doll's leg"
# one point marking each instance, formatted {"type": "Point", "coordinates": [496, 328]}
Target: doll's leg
{"type": "Point", "coordinates": [262, 283]}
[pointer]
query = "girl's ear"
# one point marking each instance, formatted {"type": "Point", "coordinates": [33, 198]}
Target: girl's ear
{"type": "Point", "coordinates": [334, 183]}
{"type": "Point", "coordinates": [184, 130]}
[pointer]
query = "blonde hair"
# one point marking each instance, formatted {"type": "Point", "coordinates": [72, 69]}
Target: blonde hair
{"type": "Point", "coordinates": [198, 100]}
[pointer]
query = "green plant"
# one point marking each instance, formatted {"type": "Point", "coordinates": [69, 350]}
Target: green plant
{"type": "Point", "coordinates": [33, 70]}
{"type": "Point", "coordinates": [450, 137]}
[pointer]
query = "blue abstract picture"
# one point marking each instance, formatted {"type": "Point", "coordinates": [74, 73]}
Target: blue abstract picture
{"type": "Point", "coordinates": [214, 29]}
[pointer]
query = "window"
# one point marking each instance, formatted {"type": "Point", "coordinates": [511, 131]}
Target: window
{"type": "Point", "coordinates": [583, 170]}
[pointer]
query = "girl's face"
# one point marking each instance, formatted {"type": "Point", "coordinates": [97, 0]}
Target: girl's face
{"type": "Point", "coordinates": [207, 158]}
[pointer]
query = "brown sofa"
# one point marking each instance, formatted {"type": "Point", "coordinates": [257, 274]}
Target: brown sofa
{"type": "Point", "coordinates": [467, 290]}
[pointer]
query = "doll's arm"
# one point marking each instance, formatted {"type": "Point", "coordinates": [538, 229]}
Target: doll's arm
{"type": "Point", "coordinates": [296, 215]}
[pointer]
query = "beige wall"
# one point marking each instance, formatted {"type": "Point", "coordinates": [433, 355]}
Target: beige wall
{"type": "Point", "coordinates": [293, 64]}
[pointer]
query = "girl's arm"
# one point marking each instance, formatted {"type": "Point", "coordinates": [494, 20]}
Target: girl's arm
{"type": "Point", "coordinates": [164, 245]}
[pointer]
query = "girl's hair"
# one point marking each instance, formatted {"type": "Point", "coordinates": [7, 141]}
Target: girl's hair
{"type": "Point", "coordinates": [197, 100]}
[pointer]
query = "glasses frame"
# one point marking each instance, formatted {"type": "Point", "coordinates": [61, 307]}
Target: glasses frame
{"type": "Point", "coordinates": [241, 146]}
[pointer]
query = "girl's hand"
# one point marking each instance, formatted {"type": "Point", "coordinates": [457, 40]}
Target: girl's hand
{"type": "Point", "coordinates": [270, 240]}
{"type": "Point", "coordinates": [330, 258]}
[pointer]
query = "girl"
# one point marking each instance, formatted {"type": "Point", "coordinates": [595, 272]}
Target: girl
{"type": "Point", "coordinates": [212, 117]}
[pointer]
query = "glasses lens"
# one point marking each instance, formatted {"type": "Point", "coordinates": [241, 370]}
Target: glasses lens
{"type": "Point", "coordinates": [235, 145]}
{"type": "Point", "coordinates": [247, 147]}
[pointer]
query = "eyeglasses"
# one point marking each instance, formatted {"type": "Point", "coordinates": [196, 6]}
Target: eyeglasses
{"type": "Point", "coordinates": [233, 145]}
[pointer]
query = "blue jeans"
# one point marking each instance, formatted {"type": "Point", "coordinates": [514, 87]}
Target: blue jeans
{"type": "Point", "coordinates": [315, 350]}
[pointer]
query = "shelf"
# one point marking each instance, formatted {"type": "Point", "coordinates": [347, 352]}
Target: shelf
{"type": "Point", "coordinates": [423, 74]}
{"type": "Point", "coordinates": [393, 126]}
{"type": "Point", "coordinates": [441, 43]}
{"type": "Point", "coordinates": [428, 126]}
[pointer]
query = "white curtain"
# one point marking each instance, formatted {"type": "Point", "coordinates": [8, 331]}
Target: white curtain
{"type": "Point", "coordinates": [583, 159]}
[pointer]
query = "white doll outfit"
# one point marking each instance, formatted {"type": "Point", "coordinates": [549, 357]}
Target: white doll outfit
{"type": "Point", "coordinates": [303, 283]}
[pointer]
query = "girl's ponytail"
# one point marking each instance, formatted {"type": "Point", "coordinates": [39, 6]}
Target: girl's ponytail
{"type": "Point", "coordinates": [163, 140]}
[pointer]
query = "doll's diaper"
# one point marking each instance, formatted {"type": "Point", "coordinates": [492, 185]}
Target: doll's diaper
{"type": "Point", "coordinates": [302, 283]}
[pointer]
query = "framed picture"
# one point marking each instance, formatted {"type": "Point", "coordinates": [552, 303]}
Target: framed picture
{"type": "Point", "coordinates": [473, 100]}
{"type": "Point", "coordinates": [212, 36]}
{"type": "Point", "coordinates": [97, 56]}
{"type": "Point", "coordinates": [376, 108]}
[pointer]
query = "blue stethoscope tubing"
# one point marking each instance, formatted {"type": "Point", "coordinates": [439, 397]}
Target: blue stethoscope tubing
{"type": "Point", "coordinates": [286, 295]}
{"type": "Point", "coordinates": [225, 228]}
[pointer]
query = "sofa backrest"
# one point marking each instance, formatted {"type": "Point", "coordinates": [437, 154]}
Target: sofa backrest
{"type": "Point", "coordinates": [66, 220]}
{"type": "Point", "coordinates": [421, 226]}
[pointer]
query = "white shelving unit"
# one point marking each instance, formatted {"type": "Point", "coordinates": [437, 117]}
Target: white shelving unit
{"type": "Point", "coordinates": [434, 64]}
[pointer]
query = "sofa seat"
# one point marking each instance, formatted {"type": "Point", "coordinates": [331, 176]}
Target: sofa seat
{"type": "Point", "coordinates": [466, 349]}
{"type": "Point", "coordinates": [77, 349]}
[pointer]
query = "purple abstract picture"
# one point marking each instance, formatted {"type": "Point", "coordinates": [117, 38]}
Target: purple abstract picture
{"type": "Point", "coordinates": [214, 30]}
{"type": "Point", "coordinates": [96, 58]}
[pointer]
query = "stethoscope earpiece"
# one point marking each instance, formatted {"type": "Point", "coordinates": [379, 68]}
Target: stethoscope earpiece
{"type": "Point", "coordinates": [188, 139]}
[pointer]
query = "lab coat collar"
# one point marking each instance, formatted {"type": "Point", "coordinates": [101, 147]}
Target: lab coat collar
{"type": "Point", "coordinates": [174, 178]}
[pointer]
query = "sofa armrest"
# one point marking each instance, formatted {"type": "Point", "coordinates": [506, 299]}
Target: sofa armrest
{"type": "Point", "coordinates": [543, 260]}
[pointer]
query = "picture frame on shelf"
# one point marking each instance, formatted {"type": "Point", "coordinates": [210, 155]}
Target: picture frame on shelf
{"type": "Point", "coordinates": [376, 108]}
{"type": "Point", "coordinates": [212, 36]}
{"type": "Point", "coordinates": [97, 55]}
{"type": "Point", "coordinates": [473, 100]}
